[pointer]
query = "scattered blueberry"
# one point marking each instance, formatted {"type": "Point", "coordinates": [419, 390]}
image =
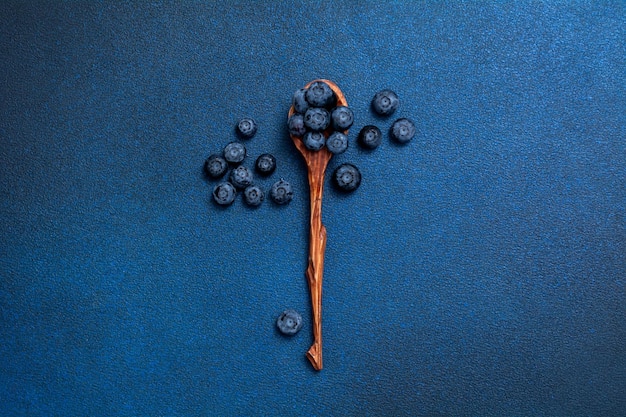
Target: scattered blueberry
{"type": "Point", "coordinates": [299, 101]}
{"type": "Point", "coordinates": [314, 141]}
{"type": "Point", "coordinates": [370, 137]}
{"type": "Point", "coordinates": [347, 177]}
{"type": "Point", "coordinates": [246, 128]}
{"type": "Point", "coordinates": [253, 196]}
{"type": "Point", "coordinates": [296, 125]}
{"type": "Point", "coordinates": [289, 322]}
{"type": "Point", "coordinates": [281, 192]}
{"type": "Point", "coordinates": [385, 102]}
{"type": "Point", "coordinates": [319, 94]}
{"type": "Point", "coordinates": [265, 164]}
{"type": "Point", "coordinates": [402, 130]}
{"type": "Point", "coordinates": [316, 119]}
{"type": "Point", "coordinates": [215, 166]}
{"type": "Point", "coordinates": [337, 143]}
{"type": "Point", "coordinates": [234, 152]}
{"type": "Point", "coordinates": [342, 118]}
{"type": "Point", "coordinates": [224, 193]}
{"type": "Point", "coordinates": [241, 177]}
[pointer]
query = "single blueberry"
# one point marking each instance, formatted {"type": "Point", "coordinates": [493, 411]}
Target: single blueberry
{"type": "Point", "coordinates": [253, 196]}
{"type": "Point", "coordinates": [296, 125]}
{"type": "Point", "coordinates": [246, 128]}
{"type": "Point", "coordinates": [234, 152]}
{"type": "Point", "coordinates": [289, 322]}
{"type": "Point", "coordinates": [265, 164]}
{"type": "Point", "coordinates": [319, 94]}
{"type": "Point", "coordinates": [402, 130]}
{"type": "Point", "coordinates": [299, 101]}
{"type": "Point", "coordinates": [224, 193]}
{"type": "Point", "coordinates": [370, 137]}
{"type": "Point", "coordinates": [314, 141]}
{"type": "Point", "coordinates": [316, 119]}
{"type": "Point", "coordinates": [281, 192]}
{"type": "Point", "coordinates": [342, 118]}
{"type": "Point", "coordinates": [337, 143]}
{"type": "Point", "coordinates": [215, 166]}
{"type": "Point", "coordinates": [241, 177]}
{"type": "Point", "coordinates": [385, 102]}
{"type": "Point", "coordinates": [347, 177]}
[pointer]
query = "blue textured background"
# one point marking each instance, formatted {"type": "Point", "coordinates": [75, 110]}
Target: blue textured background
{"type": "Point", "coordinates": [480, 270]}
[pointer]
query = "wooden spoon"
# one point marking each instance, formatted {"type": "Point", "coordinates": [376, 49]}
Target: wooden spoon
{"type": "Point", "coordinates": [316, 162]}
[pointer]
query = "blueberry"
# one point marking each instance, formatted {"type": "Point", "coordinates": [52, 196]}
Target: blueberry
{"type": "Point", "coordinates": [314, 141]}
{"type": "Point", "coordinates": [316, 119]}
{"type": "Point", "coordinates": [299, 101]}
{"type": "Point", "coordinates": [234, 152]}
{"type": "Point", "coordinates": [370, 137]}
{"type": "Point", "coordinates": [385, 102]}
{"type": "Point", "coordinates": [265, 164]}
{"type": "Point", "coordinates": [246, 128]}
{"type": "Point", "coordinates": [253, 196]}
{"type": "Point", "coordinates": [281, 192]}
{"type": "Point", "coordinates": [241, 177]}
{"type": "Point", "coordinates": [337, 143]}
{"type": "Point", "coordinates": [402, 130]}
{"type": "Point", "coordinates": [289, 322]}
{"type": "Point", "coordinates": [347, 177]}
{"type": "Point", "coordinates": [215, 166]}
{"type": "Point", "coordinates": [342, 118]}
{"type": "Point", "coordinates": [224, 193]}
{"type": "Point", "coordinates": [296, 125]}
{"type": "Point", "coordinates": [319, 94]}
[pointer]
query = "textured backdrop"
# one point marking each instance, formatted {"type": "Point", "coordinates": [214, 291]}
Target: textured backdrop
{"type": "Point", "coordinates": [478, 271]}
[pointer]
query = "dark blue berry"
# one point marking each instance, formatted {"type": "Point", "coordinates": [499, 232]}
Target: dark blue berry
{"type": "Point", "coordinates": [299, 101]}
{"type": "Point", "coordinates": [347, 177]}
{"type": "Point", "coordinates": [314, 141]}
{"type": "Point", "coordinates": [342, 118]}
{"type": "Point", "coordinates": [265, 164]}
{"type": "Point", "coordinates": [224, 193]}
{"type": "Point", "coordinates": [281, 192]}
{"type": "Point", "coordinates": [289, 322]}
{"type": "Point", "coordinates": [234, 152]}
{"type": "Point", "coordinates": [385, 102]}
{"type": "Point", "coordinates": [296, 125]}
{"type": "Point", "coordinates": [316, 119]}
{"type": "Point", "coordinates": [241, 177]}
{"type": "Point", "coordinates": [370, 137]}
{"type": "Point", "coordinates": [246, 128]}
{"type": "Point", "coordinates": [337, 143]}
{"type": "Point", "coordinates": [215, 166]}
{"type": "Point", "coordinates": [319, 94]}
{"type": "Point", "coordinates": [253, 196]}
{"type": "Point", "coordinates": [402, 130]}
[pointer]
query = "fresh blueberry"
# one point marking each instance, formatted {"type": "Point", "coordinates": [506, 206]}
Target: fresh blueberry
{"type": "Point", "coordinates": [241, 177]}
{"type": "Point", "coordinates": [314, 141]}
{"type": "Point", "coordinates": [385, 102]}
{"type": "Point", "coordinates": [289, 322]}
{"type": "Point", "coordinates": [347, 177]}
{"type": "Point", "coordinates": [319, 94]}
{"type": "Point", "coordinates": [224, 193]}
{"type": "Point", "coordinates": [246, 128]}
{"type": "Point", "coordinates": [342, 118]}
{"type": "Point", "coordinates": [299, 101]}
{"type": "Point", "coordinates": [370, 137]}
{"type": "Point", "coordinates": [337, 143]}
{"type": "Point", "coordinates": [296, 125]}
{"type": "Point", "coordinates": [234, 152]}
{"type": "Point", "coordinates": [402, 130]}
{"type": "Point", "coordinates": [316, 119]}
{"type": "Point", "coordinates": [281, 192]}
{"type": "Point", "coordinates": [215, 166]}
{"type": "Point", "coordinates": [253, 196]}
{"type": "Point", "coordinates": [265, 164]}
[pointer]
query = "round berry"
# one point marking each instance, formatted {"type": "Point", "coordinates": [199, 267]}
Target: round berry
{"type": "Point", "coordinates": [314, 141]}
{"type": "Point", "coordinates": [241, 177]}
{"type": "Point", "coordinates": [246, 128]}
{"type": "Point", "coordinates": [342, 118]}
{"type": "Point", "coordinates": [289, 322]}
{"type": "Point", "coordinates": [296, 125]}
{"type": "Point", "coordinates": [316, 119]}
{"type": "Point", "coordinates": [215, 166]}
{"type": "Point", "coordinates": [402, 130]}
{"type": "Point", "coordinates": [265, 164]}
{"type": "Point", "coordinates": [337, 143]}
{"type": "Point", "coordinates": [370, 137]}
{"type": "Point", "coordinates": [253, 196]}
{"type": "Point", "coordinates": [319, 94]}
{"type": "Point", "coordinates": [385, 102]}
{"type": "Point", "coordinates": [299, 101]}
{"type": "Point", "coordinates": [281, 192]}
{"type": "Point", "coordinates": [347, 177]}
{"type": "Point", "coordinates": [224, 193]}
{"type": "Point", "coordinates": [234, 152]}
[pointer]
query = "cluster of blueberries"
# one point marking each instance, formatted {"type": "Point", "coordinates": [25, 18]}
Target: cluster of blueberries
{"type": "Point", "coordinates": [241, 177]}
